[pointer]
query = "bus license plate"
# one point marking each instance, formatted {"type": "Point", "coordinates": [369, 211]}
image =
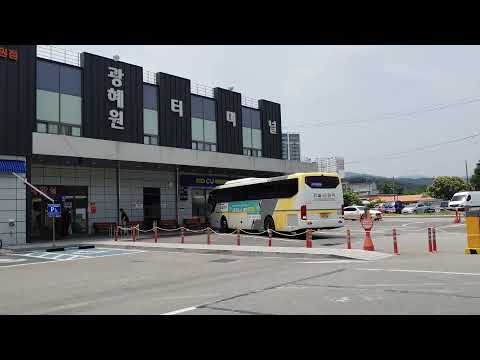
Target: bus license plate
{"type": "Point", "coordinates": [324, 215]}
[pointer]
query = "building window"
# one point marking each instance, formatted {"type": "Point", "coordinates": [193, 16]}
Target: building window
{"type": "Point", "coordinates": [59, 99]}
{"type": "Point", "coordinates": [204, 124]}
{"type": "Point", "coordinates": [150, 114]}
{"type": "Point", "coordinates": [251, 132]}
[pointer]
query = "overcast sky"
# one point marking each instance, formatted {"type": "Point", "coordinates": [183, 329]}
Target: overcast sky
{"type": "Point", "coordinates": [354, 89]}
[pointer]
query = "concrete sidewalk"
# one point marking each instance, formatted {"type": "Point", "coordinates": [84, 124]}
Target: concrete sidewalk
{"type": "Point", "coordinates": [250, 250]}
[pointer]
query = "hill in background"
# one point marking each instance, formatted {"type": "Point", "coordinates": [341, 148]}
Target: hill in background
{"type": "Point", "coordinates": [404, 185]}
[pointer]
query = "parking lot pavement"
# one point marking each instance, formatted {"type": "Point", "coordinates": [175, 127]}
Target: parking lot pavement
{"type": "Point", "coordinates": [17, 260]}
{"type": "Point", "coordinates": [41, 256]}
{"type": "Point", "coordinates": [162, 282]}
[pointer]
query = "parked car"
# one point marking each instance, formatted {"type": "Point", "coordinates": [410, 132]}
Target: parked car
{"type": "Point", "coordinates": [355, 212]}
{"type": "Point", "coordinates": [399, 206]}
{"type": "Point", "coordinates": [379, 207]}
{"type": "Point", "coordinates": [464, 199]}
{"type": "Point", "coordinates": [415, 208]}
{"type": "Point", "coordinates": [444, 205]}
{"type": "Point", "coordinates": [389, 208]}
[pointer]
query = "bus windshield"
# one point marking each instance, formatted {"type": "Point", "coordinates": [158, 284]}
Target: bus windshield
{"type": "Point", "coordinates": [322, 182]}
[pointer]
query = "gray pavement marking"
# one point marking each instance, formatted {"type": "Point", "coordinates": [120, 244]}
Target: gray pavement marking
{"type": "Point", "coordinates": [432, 293]}
{"type": "Point", "coordinates": [245, 312]}
{"type": "Point", "coordinates": [328, 262]}
{"type": "Point", "coordinates": [202, 306]}
{"type": "Point", "coordinates": [422, 271]}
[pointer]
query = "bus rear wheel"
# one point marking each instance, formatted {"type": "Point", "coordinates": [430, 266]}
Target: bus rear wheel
{"type": "Point", "coordinates": [269, 223]}
{"type": "Point", "coordinates": [223, 225]}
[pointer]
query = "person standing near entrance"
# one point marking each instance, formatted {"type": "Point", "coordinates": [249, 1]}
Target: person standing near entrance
{"type": "Point", "coordinates": [67, 221]}
{"type": "Point", "coordinates": [124, 217]}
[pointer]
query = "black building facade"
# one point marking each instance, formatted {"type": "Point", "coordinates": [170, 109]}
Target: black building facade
{"type": "Point", "coordinates": [95, 136]}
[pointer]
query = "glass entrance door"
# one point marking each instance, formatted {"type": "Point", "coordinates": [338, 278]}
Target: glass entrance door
{"type": "Point", "coordinates": [74, 220]}
{"type": "Point", "coordinates": [199, 203]}
{"type": "Point", "coordinates": [151, 206]}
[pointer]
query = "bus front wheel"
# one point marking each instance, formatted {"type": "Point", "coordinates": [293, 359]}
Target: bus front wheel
{"type": "Point", "coordinates": [223, 225]}
{"type": "Point", "coordinates": [269, 223]}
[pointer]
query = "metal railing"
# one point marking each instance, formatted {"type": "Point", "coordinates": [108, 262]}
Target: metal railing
{"type": "Point", "coordinates": [250, 102]}
{"type": "Point", "coordinates": [58, 54]}
{"type": "Point", "coordinates": [70, 57]}
{"type": "Point", "coordinates": [149, 77]}
{"type": "Point", "coordinates": [202, 90]}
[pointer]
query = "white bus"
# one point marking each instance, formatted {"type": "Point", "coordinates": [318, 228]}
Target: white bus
{"type": "Point", "coordinates": [289, 203]}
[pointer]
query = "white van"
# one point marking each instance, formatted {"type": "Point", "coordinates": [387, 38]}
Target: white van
{"type": "Point", "coordinates": [463, 199]}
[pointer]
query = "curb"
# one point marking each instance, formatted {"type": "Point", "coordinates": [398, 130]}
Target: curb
{"type": "Point", "coordinates": [49, 248]}
{"type": "Point", "coordinates": [79, 247]}
{"type": "Point", "coordinates": [258, 251]}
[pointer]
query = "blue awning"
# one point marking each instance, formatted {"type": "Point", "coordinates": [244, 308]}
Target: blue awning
{"type": "Point", "coordinates": [8, 166]}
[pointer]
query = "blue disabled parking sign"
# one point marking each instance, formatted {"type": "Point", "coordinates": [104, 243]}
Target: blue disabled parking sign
{"type": "Point", "coordinates": [54, 210]}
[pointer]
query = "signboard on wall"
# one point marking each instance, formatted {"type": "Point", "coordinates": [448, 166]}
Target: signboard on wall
{"type": "Point", "coordinates": [183, 194]}
{"type": "Point", "coordinates": [204, 181]}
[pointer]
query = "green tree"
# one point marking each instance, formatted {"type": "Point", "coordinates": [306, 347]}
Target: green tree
{"type": "Point", "coordinates": [387, 188]}
{"type": "Point", "coordinates": [475, 179]}
{"type": "Point", "coordinates": [350, 198]}
{"type": "Point", "coordinates": [374, 203]}
{"type": "Point", "coordinates": [443, 187]}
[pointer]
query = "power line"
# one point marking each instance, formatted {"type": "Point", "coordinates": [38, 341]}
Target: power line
{"type": "Point", "coordinates": [394, 115]}
{"type": "Point", "coordinates": [394, 156]}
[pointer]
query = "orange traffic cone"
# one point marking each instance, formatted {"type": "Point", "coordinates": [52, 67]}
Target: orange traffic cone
{"type": "Point", "coordinates": [368, 243]}
{"type": "Point", "coordinates": [367, 224]}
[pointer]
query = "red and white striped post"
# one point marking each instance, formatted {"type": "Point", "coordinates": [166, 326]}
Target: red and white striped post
{"type": "Point", "coordinates": [349, 239]}
{"type": "Point", "coordinates": [429, 239]}
{"type": "Point", "coordinates": [457, 217]}
{"type": "Point", "coordinates": [208, 235]}
{"type": "Point", "coordinates": [238, 237]}
{"type": "Point", "coordinates": [395, 246]}
{"type": "Point", "coordinates": [309, 238]}
{"type": "Point", "coordinates": [182, 232]}
{"type": "Point", "coordinates": [133, 233]}
{"type": "Point", "coordinates": [434, 240]}
{"type": "Point", "coordinates": [269, 237]}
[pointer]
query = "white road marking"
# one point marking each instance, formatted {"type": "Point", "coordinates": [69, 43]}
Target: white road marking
{"type": "Point", "coordinates": [180, 311]}
{"type": "Point", "coordinates": [343, 299]}
{"type": "Point", "coordinates": [415, 222]}
{"type": "Point", "coordinates": [391, 285]}
{"type": "Point", "coordinates": [327, 262]}
{"type": "Point", "coordinates": [11, 260]}
{"type": "Point", "coordinates": [422, 271]}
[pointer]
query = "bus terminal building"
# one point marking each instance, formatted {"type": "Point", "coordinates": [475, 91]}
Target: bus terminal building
{"type": "Point", "coordinates": [99, 135]}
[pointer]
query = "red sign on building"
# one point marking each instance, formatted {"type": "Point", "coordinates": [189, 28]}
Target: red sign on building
{"type": "Point", "coordinates": [11, 54]}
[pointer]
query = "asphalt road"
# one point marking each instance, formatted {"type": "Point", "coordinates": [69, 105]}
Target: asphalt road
{"type": "Point", "coordinates": [160, 282]}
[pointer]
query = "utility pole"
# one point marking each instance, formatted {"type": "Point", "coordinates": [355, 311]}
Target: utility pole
{"type": "Point", "coordinates": [393, 188]}
{"type": "Point", "coordinates": [466, 172]}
